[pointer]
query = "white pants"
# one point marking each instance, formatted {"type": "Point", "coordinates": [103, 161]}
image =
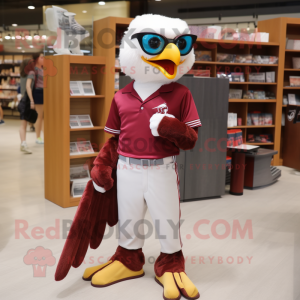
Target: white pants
{"type": "Point", "coordinates": [155, 187]}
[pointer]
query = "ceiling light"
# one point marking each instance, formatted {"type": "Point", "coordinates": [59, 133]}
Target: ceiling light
{"type": "Point", "coordinates": [19, 48]}
{"type": "Point", "coordinates": [31, 7]}
{"type": "Point", "coordinates": [7, 37]}
{"type": "Point", "coordinates": [237, 27]}
{"type": "Point", "coordinates": [44, 36]}
{"type": "Point", "coordinates": [23, 51]}
{"type": "Point", "coordinates": [101, 3]}
{"type": "Point", "coordinates": [248, 28]}
{"type": "Point", "coordinates": [31, 46]}
{"type": "Point", "coordinates": [14, 25]}
{"type": "Point", "coordinates": [12, 37]}
{"type": "Point", "coordinates": [18, 37]}
{"type": "Point", "coordinates": [84, 11]}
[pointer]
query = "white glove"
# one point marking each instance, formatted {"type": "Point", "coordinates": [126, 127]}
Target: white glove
{"type": "Point", "coordinates": [98, 188]}
{"type": "Point", "coordinates": [155, 120]}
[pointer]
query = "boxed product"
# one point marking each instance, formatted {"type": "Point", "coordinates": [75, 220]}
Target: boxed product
{"type": "Point", "coordinates": [235, 94]}
{"type": "Point", "coordinates": [237, 77]}
{"type": "Point", "coordinates": [224, 75]}
{"type": "Point", "coordinates": [257, 77]}
{"type": "Point", "coordinates": [293, 44]}
{"type": "Point", "coordinates": [294, 80]}
{"type": "Point", "coordinates": [261, 138]}
{"type": "Point", "coordinates": [248, 95]}
{"type": "Point", "coordinates": [293, 99]}
{"type": "Point", "coordinates": [285, 100]}
{"type": "Point", "coordinates": [270, 95]}
{"type": "Point", "coordinates": [224, 57]}
{"type": "Point", "coordinates": [202, 55]}
{"type": "Point", "coordinates": [243, 58]}
{"type": "Point", "coordinates": [234, 137]}
{"type": "Point", "coordinates": [202, 73]}
{"type": "Point", "coordinates": [270, 76]}
{"type": "Point", "coordinates": [232, 120]}
{"type": "Point", "coordinates": [296, 62]}
{"type": "Point", "coordinates": [259, 94]}
{"type": "Point", "coordinates": [249, 121]}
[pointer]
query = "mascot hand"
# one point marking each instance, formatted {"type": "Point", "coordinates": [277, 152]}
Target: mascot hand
{"type": "Point", "coordinates": [155, 120]}
{"type": "Point", "coordinates": [101, 176]}
{"type": "Point", "coordinates": [99, 188]}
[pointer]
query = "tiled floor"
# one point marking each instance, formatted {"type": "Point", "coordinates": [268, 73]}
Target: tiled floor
{"type": "Point", "coordinates": [263, 267]}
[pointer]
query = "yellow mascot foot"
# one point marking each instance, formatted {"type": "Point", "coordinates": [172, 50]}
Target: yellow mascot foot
{"type": "Point", "coordinates": [89, 272]}
{"type": "Point", "coordinates": [114, 273]}
{"type": "Point", "coordinates": [177, 284]}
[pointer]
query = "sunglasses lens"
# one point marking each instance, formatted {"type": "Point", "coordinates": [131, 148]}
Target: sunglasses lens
{"type": "Point", "coordinates": [152, 43]}
{"type": "Point", "coordinates": [184, 44]}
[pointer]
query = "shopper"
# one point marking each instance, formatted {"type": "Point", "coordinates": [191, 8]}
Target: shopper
{"type": "Point", "coordinates": [35, 93]}
{"type": "Point", "coordinates": [25, 68]}
{"type": "Point", "coordinates": [1, 115]}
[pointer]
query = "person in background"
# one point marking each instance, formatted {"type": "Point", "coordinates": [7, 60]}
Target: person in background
{"type": "Point", "coordinates": [25, 68]}
{"type": "Point", "coordinates": [23, 77]}
{"type": "Point", "coordinates": [1, 115]}
{"type": "Point", "coordinates": [36, 94]}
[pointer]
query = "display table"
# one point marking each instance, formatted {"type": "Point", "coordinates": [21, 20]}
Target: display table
{"type": "Point", "coordinates": [259, 172]}
{"type": "Point", "coordinates": [238, 167]}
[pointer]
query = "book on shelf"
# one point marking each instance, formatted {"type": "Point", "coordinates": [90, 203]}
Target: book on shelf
{"type": "Point", "coordinates": [243, 58]}
{"type": "Point", "coordinates": [79, 172]}
{"type": "Point", "coordinates": [257, 77]}
{"type": "Point", "coordinates": [202, 73]}
{"type": "Point", "coordinates": [234, 137]}
{"type": "Point", "coordinates": [248, 94]}
{"type": "Point", "coordinates": [293, 44]}
{"type": "Point", "coordinates": [293, 99]}
{"type": "Point", "coordinates": [270, 76]}
{"type": "Point", "coordinates": [80, 121]}
{"type": "Point", "coordinates": [296, 63]}
{"type": "Point", "coordinates": [285, 100]}
{"type": "Point", "coordinates": [269, 95]}
{"type": "Point", "coordinates": [82, 88]}
{"type": "Point", "coordinates": [259, 138]}
{"type": "Point", "coordinates": [224, 57]}
{"type": "Point", "coordinates": [294, 80]}
{"type": "Point", "coordinates": [202, 55]}
{"type": "Point", "coordinates": [237, 77]}
{"type": "Point", "coordinates": [263, 59]}
{"type": "Point", "coordinates": [259, 95]}
{"type": "Point", "coordinates": [79, 177]}
{"type": "Point", "coordinates": [82, 147]}
{"type": "Point", "coordinates": [258, 118]}
{"type": "Point", "coordinates": [235, 94]}
{"type": "Point", "coordinates": [78, 186]}
{"type": "Point", "coordinates": [232, 120]}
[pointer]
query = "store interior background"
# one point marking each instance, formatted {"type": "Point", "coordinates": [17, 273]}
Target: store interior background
{"type": "Point", "coordinates": [274, 211]}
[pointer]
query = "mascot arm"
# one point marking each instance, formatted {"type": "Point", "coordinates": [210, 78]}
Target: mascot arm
{"type": "Point", "coordinates": [182, 135]}
{"type": "Point", "coordinates": [104, 163]}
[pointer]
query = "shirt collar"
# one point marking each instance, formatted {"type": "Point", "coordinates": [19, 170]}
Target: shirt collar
{"type": "Point", "coordinates": [163, 89]}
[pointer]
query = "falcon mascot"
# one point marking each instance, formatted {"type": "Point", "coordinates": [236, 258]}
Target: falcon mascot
{"type": "Point", "coordinates": [151, 119]}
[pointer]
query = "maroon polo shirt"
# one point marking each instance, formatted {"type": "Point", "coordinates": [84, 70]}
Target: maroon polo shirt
{"type": "Point", "coordinates": [129, 117]}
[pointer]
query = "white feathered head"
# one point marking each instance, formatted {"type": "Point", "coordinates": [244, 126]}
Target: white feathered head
{"type": "Point", "coordinates": [157, 49]}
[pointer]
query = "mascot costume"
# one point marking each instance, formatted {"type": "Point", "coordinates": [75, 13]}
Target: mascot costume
{"type": "Point", "coordinates": [151, 119]}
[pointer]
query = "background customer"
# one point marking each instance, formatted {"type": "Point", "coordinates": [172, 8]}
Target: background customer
{"type": "Point", "coordinates": [35, 93]}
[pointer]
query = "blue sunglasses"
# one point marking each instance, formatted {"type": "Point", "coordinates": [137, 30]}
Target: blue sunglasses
{"type": "Point", "coordinates": [154, 43]}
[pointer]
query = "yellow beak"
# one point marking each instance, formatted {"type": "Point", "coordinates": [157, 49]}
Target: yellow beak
{"type": "Point", "coordinates": [171, 54]}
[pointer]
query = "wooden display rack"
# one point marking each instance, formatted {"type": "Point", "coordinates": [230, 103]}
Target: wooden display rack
{"type": "Point", "coordinates": [59, 105]}
{"type": "Point", "coordinates": [279, 30]}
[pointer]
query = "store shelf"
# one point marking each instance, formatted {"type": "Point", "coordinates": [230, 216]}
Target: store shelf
{"type": "Point", "coordinates": [87, 128]}
{"type": "Point", "coordinates": [84, 155]}
{"type": "Point", "coordinates": [293, 70]}
{"type": "Point", "coordinates": [291, 87]}
{"type": "Point", "coordinates": [260, 144]}
{"type": "Point", "coordinates": [284, 105]}
{"type": "Point", "coordinates": [87, 97]}
{"type": "Point", "coordinates": [252, 126]}
{"type": "Point", "coordinates": [289, 50]}
{"type": "Point", "coordinates": [234, 64]}
{"type": "Point", "coordinates": [253, 100]}
{"type": "Point", "coordinates": [236, 42]}
{"type": "Point", "coordinates": [260, 83]}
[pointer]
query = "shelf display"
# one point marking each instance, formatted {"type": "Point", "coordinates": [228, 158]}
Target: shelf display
{"type": "Point", "coordinates": [261, 138]}
{"type": "Point", "coordinates": [82, 88]}
{"type": "Point", "coordinates": [80, 121]}
{"type": "Point", "coordinates": [79, 177]}
{"type": "Point", "coordinates": [295, 81]}
{"type": "Point", "coordinates": [258, 118]}
{"type": "Point", "coordinates": [202, 55]}
{"type": "Point", "coordinates": [83, 147]}
{"type": "Point", "coordinates": [293, 99]}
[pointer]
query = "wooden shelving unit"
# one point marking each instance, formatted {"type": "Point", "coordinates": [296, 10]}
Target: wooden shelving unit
{"type": "Point", "coordinates": [59, 105]}
{"type": "Point", "coordinates": [279, 30]}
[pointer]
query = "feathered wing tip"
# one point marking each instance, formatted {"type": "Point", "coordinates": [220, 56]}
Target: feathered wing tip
{"type": "Point", "coordinates": [94, 211]}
